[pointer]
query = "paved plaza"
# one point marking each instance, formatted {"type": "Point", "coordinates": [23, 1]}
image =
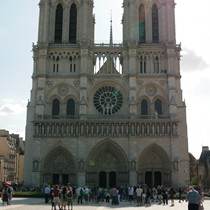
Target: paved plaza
{"type": "Point", "coordinates": [38, 204]}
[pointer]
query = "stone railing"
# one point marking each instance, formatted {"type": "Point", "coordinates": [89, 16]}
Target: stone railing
{"type": "Point", "coordinates": [114, 128]}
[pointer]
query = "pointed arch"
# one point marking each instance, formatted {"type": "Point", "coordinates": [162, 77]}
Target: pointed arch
{"type": "Point", "coordinates": [156, 65]}
{"type": "Point", "coordinates": [104, 151]}
{"type": "Point", "coordinates": [73, 24]}
{"type": "Point", "coordinates": [144, 107]}
{"type": "Point", "coordinates": [107, 159]}
{"type": "Point", "coordinates": [59, 167]}
{"type": "Point", "coordinates": [147, 160]}
{"type": "Point", "coordinates": [142, 24]}
{"type": "Point", "coordinates": [158, 107]}
{"type": "Point", "coordinates": [55, 107]}
{"type": "Point", "coordinates": [70, 108]}
{"type": "Point", "coordinates": [155, 24]}
{"type": "Point", "coordinates": [59, 159]}
{"type": "Point", "coordinates": [154, 166]}
{"type": "Point", "coordinates": [143, 64]}
{"type": "Point", "coordinates": [58, 24]}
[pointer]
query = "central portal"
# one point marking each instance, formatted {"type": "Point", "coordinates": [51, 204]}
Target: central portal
{"type": "Point", "coordinates": [107, 179]}
{"type": "Point", "coordinates": [107, 165]}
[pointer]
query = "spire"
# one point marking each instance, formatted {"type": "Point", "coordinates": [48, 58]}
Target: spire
{"type": "Point", "coordinates": [111, 35]}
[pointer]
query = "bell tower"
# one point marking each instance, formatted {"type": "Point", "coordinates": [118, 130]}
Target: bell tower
{"type": "Point", "coordinates": [66, 21]}
{"type": "Point", "coordinates": [148, 21]}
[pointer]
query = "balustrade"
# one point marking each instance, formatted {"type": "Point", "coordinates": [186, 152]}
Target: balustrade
{"type": "Point", "coordinates": [129, 128]}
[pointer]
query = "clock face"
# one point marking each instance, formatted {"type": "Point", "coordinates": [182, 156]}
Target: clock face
{"type": "Point", "coordinates": [108, 100]}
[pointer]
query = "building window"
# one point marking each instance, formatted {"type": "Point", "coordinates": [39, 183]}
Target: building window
{"type": "Point", "coordinates": [55, 107]}
{"type": "Point", "coordinates": [70, 109]}
{"type": "Point", "coordinates": [156, 65]}
{"type": "Point", "coordinates": [155, 25]}
{"type": "Point", "coordinates": [108, 100]}
{"type": "Point", "coordinates": [158, 107]}
{"type": "Point", "coordinates": [58, 24]}
{"type": "Point", "coordinates": [72, 65]}
{"type": "Point", "coordinates": [142, 36]}
{"type": "Point", "coordinates": [73, 24]}
{"type": "Point", "coordinates": [144, 107]}
{"type": "Point", "coordinates": [56, 64]}
{"type": "Point", "coordinates": [143, 64]}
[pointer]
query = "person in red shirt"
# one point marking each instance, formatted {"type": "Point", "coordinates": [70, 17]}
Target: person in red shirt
{"type": "Point", "coordinates": [56, 198]}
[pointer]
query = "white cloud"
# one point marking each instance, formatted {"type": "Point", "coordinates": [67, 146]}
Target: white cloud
{"type": "Point", "coordinates": [12, 108]}
{"type": "Point", "coordinates": [192, 62]}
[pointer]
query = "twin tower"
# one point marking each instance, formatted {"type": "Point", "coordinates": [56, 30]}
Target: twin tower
{"type": "Point", "coordinates": [147, 21]}
{"type": "Point", "coordinates": [106, 114]}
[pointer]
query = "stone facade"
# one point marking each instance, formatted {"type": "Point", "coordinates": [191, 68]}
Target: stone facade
{"type": "Point", "coordinates": [106, 114]}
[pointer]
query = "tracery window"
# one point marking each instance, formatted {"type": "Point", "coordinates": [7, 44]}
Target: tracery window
{"type": "Point", "coordinates": [155, 24]}
{"type": "Point", "coordinates": [158, 107]}
{"type": "Point", "coordinates": [55, 107]}
{"type": "Point", "coordinates": [142, 36]}
{"type": "Point", "coordinates": [73, 24]}
{"type": "Point", "coordinates": [58, 24]}
{"type": "Point", "coordinates": [108, 100]}
{"type": "Point", "coordinates": [70, 109]}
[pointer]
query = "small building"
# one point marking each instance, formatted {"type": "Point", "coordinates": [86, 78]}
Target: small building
{"type": "Point", "coordinates": [203, 168]}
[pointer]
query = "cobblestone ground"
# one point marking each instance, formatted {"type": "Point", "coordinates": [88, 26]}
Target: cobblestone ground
{"type": "Point", "coordinates": [38, 204]}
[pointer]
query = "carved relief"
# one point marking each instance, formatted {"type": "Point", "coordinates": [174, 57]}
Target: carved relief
{"type": "Point", "coordinates": [62, 90]}
{"type": "Point", "coordinates": [49, 84]}
{"type": "Point", "coordinates": [151, 90]}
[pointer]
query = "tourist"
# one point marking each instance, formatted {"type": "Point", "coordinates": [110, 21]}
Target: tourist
{"type": "Point", "coordinates": [56, 198]}
{"type": "Point", "coordinates": [46, 191]}
{"type": "Point", "coordinates": [70, 198]}
{"type": "Point", "coordinates": [139, 195]}
{"type": "Point", "coordinates": [172, 194]}
{"type": "Point", "coordinates": [193, 198]}
{"type": "Point", "coordinates": [64, 197]}
{"type": "Point", "coordinates": [180, 194]}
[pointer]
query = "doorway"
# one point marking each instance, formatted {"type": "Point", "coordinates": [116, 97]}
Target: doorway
{"type": "Point", "coordinates": [112, 179]}
{"type": "Point", "coordinates": [157, 178]}
{"type": "Point", "coordinates": [55, 179]}
{"type": "Point", "coordinates": [102, 179]}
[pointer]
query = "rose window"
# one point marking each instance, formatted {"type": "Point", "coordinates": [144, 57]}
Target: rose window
{"type": "Point", "coordinates": [108, 100]}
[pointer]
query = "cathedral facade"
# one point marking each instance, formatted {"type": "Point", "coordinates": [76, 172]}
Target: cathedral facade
{"type": "Point", "coordinates": [106, 114]}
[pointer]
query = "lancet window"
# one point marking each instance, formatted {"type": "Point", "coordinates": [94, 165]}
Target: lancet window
{"type": "Point", "coordinates": [72, 65]}
{"type": "Point", "coordinates": [142, 33]}
{"type": "Point", "coordinates": [155, 24]}
{"type": "Point", "coordinates": [70, 108]}
{"type": "Point", "coordinates": [143, 64]}
{"type": "Point", "coordinates": [55, 107]}
{"type": "Point", "coordinates": [55, 64]}
{"type": "Point", "coordinates": [158, 107]}
{"type": "Point", "coordinates": [58, 24]}
{"type": "Point", "coordinates": [156, 65]}
{"type": "Point", "coordinates": [144, 107]}
{"type": "Point", "coordinates": [73, 24]}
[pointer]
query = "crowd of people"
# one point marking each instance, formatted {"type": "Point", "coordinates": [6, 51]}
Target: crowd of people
{"type": "Point", "coordinates": [63, 196]}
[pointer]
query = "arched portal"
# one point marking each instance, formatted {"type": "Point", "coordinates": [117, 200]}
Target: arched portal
{"type": "Point", "coordinates": [59, 167]}
{"type": "Point", "coordinates": [154, 167]}
{"type": "Point", "coordinates": [107, 165]}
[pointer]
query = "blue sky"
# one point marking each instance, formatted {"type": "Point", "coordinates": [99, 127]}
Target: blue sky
{"type": "Point", "coordinates": [19, 28]}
